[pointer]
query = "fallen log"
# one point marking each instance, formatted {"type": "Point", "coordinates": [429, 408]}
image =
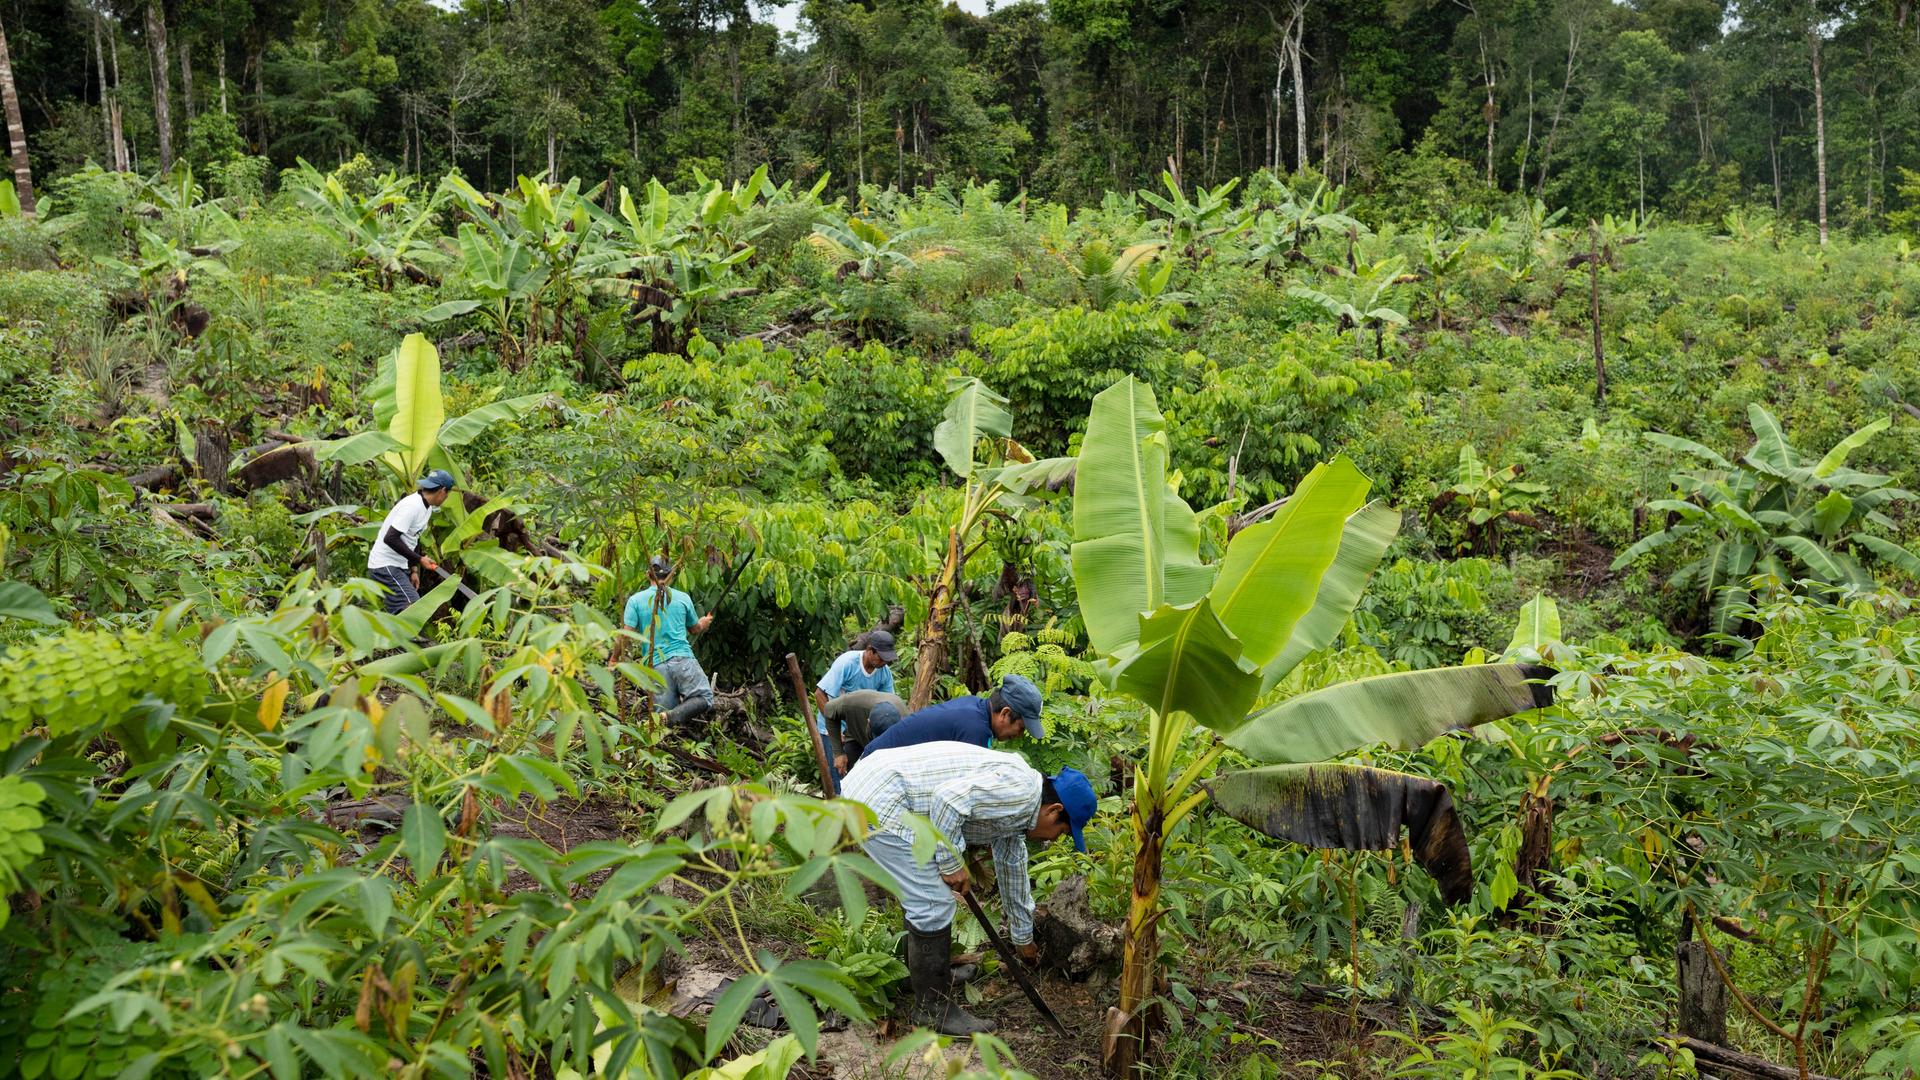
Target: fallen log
{"type": "Point", "coordinates": [157, 478]}
{"type": "Point", "coordinates": [203, 511]}
{"type": "Point", "coordinates": [1739, 1062]}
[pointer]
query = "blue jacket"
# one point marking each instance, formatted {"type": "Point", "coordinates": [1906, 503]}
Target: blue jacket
{"type": "Point", "coordinates": [963, 719]}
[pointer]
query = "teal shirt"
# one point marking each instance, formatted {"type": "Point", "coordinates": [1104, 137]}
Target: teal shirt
{"type": "Point", "coordinates": [676, 623]}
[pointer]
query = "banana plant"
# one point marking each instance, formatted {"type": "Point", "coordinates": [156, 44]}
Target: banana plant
{"type": "Point", "coordinates": [1777, 513]}
{"type": "Point", "coordinates": [387, 230]}
{"type": "Point", "coordinates": [1443, 258]}
{"type": "Point", "coordinates": [1199, 644]}
{"type": "Point", "coordinates": [1195, 225]}
{"type": "Point", "coordinates": [868, 251]}
{"type": "Point", "coordinates": [1007, 480]}
{"type": "Point", "coordinates": [1359, 300]}
{"type": "Point", "coordinates": [410, 427]}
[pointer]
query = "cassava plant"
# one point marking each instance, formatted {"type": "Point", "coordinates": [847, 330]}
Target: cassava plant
{"type": "Point", "coordinates": [1199, 644]}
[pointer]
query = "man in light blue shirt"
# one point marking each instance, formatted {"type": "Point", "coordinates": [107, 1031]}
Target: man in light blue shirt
{"type": "Point", "coordinates": [855, 669]}
{"type": "Point", "coordinates": [663, 617]}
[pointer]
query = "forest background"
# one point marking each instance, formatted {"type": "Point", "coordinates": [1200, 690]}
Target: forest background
{"type": "Point", "coordinates": [1688, 106]}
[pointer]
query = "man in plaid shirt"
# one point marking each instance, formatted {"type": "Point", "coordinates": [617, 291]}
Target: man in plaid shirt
{"type": "Point", "coordinates": [972, 796]}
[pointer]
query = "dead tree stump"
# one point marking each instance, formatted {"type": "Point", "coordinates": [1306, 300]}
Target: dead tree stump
{"type": "Point", "coordinates": [1703, 995]}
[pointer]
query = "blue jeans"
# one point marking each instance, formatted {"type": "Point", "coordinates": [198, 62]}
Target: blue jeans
{"type": "Point", "coordinates": [685, 680]}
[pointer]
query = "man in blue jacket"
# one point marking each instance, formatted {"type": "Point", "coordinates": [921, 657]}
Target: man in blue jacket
{"type": "Point", "coordinates": [1010, 711]}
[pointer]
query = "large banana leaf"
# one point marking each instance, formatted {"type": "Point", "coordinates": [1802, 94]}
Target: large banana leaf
{"type": "Point", "coordinates": [1187, 661]}
{"type": "Point", "coordinates": [1271, 573]}
{"type": "Point", "coordinates": [1836, 457]}
{"type": "Point", "coordinates": [1357, 808]}
{"type": "Point", "coordinates": [462, 430]}
{"type": "Point", "coordinates": [354, 449]}
{"type": "Point", "coordinates": [418, 410]}
{"type": "Point", "coordinates": [1772, 453]}
{"type": "Point", "coordinates": [1889, 552]}
{"type": "Point", "coordinates": [973, 410]}
{"type": "Point", "coordinates": [1120, 507]}
{"type": "Point", "coordinates": [1403, 710]}
{"type": "Point", "coordinates": [1539, 628]}
{"type": "Point", "coordinates": [1363, 541]}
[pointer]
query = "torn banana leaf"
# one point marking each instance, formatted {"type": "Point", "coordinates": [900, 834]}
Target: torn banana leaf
{"type": "Point", "coordinates": [1356, 808]}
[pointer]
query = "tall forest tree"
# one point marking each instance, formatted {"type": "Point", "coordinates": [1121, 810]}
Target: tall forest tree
{"type": "Point", "coordinates": [16, 129]}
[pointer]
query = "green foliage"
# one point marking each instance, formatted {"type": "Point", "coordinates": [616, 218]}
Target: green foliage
{"type": "Point", "coordinates": [867, 954]}
{"type": "Point", "coordinates": [1776, 514]}
{"type": "Point", "coordinates": [1051, 366]}
{"type": "Point", "coordinates": [80, 679]}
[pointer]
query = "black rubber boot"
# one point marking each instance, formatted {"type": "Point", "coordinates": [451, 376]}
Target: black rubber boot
{"type": "Point", "coordinates": [930, 964]}
{"type": "Point", "coordinates": [685, 713]}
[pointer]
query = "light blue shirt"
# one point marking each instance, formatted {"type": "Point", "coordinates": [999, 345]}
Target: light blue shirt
{"type": "Point", "coordinates": [676, 622]}
{"type": "Point", "coordinates": [847, 674]}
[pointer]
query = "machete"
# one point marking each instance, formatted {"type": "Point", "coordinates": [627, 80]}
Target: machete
{"type": "Point", "coordinates": [1013, 962]}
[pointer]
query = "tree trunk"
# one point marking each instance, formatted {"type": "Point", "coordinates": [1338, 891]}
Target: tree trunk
{"type": "Point", "coordinates": [1299, 25]}
{"type": "Point", "coordinates": [1702, 995]}
{"type": "Point", "coordinates": [16, 130]}
{"type": "Point", "coordinates": [186, 79]}
{"type": "Point", "coordinates": [1140, 955]}
{"type": "Point", "coordinates": [1599, 354]}
{"type": "Point", "coordinates": [1559, 108]}
{"type": "Point", "coordinates": [123, 154]}
{"type": "Point", "coordinates": [162, 114]}
{"type": "Point", "coordinates": [1819, 129]}
{"type": "Point", "coordinates": [930, 649]}
{"type": "Point", "coordinates": [220, 57]}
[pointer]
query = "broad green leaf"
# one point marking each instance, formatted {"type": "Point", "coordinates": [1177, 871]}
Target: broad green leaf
{"type": "Point", "coordinates": [1271, 572]}
{"type": "Point", "coordinates": [1049, 474]}
{"type": "Point", "coordinates": [423, 838]}
{"type": "Point", "coordinates": [1539, 627]}
{"type": "Point", "coordinates": [418, 410]}
{"type": "Point", "coordinates": [19, 600]}
{"type": "Point", "coordinates": [462, 430]}
{"type": "Point", "coordinates": [1356, 808]}
{"type": "Point", "coordinates": [1831, 514]}
{"type": "Point", "coordinates": [450, 309]}
{"type": "Point", "coordinates": [1823, 564]}
{"type": "Point", "coordinates": [1363, 541]}
{"type": "Point", "coordinates": [1890, 553]}
{"type": "Point", "coordinates": [1771, 452]}
{"type": "Point", "coordinates": [1687, 446]}
{"type": "Point", "coordinates": [1187, 661]}
{"type": "Point", "coordinates": [472, 521]}
{"type": "Point", "coordinates": [1837, 456]}
{"type": "Point", "coordinates": [355, 449]}
{"type": "Point", "coordinates": [973, 411]}
{"type": "Point", "coordinates": [1650, 542]}
{"type": "Point", "coordinates": [1403, 710]}
{"type": "Point", "coordinates": [1119, 507]}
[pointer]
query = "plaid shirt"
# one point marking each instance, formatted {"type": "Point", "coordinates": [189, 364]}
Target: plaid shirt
{"type": "Point", "coordinates": [972, 796]}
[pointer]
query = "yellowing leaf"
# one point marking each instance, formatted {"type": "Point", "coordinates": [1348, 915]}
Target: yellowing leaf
{"type": "Point", "coordinates": [272, 703]}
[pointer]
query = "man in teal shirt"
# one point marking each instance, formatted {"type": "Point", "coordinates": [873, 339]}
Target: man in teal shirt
{"type": "Point", "coordinates": [663, 617]}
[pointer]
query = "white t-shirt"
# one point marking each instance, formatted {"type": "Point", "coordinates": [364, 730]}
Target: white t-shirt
{"type": "Point", "coordinates": [409, 516]}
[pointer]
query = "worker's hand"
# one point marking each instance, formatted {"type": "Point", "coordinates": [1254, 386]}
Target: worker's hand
{"type": "Point", "coordinates": [705, 621]}
{"type": "Point", "coordinates": [429, 563]}
{"type": "Point", "coordinates": [957, 881]}
{"type": "Point", "coordinates": [1029, 953]}
{"type": "Point", "coordinates": [414, 576]}
{"type": "Point", "coordinates": [840, 763]}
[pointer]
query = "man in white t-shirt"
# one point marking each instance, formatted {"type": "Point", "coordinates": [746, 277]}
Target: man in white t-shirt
{"type": "Point", "coordinates": [396, 558]}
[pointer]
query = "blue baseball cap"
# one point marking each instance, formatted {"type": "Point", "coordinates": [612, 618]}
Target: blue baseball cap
{"type": "Point", "coordinates": [435, 480]}
{"type": "Point", "coordinates": [881, 717]}
{"type": "Point", "coordinates": [1023, 697]}
{"type": "Point", "coordinates": [1076, 794]}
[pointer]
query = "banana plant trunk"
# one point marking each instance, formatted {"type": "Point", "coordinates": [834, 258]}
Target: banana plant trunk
{"type": "Point", "coordinates": [1140, 956]}
{"type": "Point", "coordinates": [930, 648]}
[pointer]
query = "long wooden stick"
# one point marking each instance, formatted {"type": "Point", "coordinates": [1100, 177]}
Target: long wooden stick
{"type": "Point", "coordinates": [813, 729]}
